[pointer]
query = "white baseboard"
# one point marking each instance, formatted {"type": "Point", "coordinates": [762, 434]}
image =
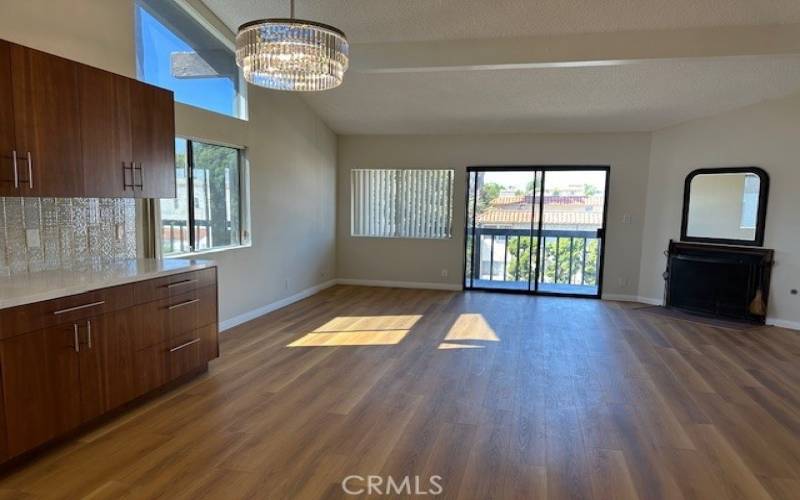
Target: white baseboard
{"type": "Point", "coordinates": [260, 311]}
{"type": "Point", "coordinates": [400, 284]}
{"type": "Point", "coordinates": [791, 325]}
{"type": "Point", "coordinates": [632, 298]}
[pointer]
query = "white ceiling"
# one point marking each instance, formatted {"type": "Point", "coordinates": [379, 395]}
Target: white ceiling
{"type": "Point", "coordinates": [635, 97]}
{"type": "Point", "coordinates": [627, 95]}
{"type": "Point", "coordinates": [413, 20]}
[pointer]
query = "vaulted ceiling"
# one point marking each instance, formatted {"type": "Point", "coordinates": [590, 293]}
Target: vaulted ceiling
{"type": "Point", "coordinates": [476, 66]}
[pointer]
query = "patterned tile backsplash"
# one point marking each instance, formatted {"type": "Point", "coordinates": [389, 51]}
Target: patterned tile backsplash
{"type": "Point", "coordinates": [37, 234]}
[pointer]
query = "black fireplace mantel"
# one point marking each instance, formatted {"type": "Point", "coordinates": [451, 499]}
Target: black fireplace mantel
{"type": "Point", "coordinates": [719, 281]}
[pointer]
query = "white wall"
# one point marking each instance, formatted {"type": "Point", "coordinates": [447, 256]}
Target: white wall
{"type": "Point", "coordinates": [765, 135]}
{"type": "Point", "coordinates": [291, 152]}
{"type": "Point", "coordinates": [421, 261]}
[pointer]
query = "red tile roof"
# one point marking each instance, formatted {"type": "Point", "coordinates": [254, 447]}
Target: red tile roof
{"type": "Point", "coordinates": [501, 216]}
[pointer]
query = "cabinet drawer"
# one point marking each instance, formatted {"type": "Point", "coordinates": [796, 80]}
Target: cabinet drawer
{"type": "Point", "coordinates": [30, 317]}
{"type": "Point", "coordinates": [169, 318]}
{"type": "Point", "coordinates": [170, 286]}
{"type": "Point", "coordinates": [187, 353]}
{"type": "Point", "coordinates": [158, 364]}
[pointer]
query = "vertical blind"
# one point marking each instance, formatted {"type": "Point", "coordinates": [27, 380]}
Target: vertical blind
{"type": "Point", "coordinates": [401, 203]}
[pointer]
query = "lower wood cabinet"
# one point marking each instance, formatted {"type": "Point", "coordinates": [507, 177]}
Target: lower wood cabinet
{"type": "Point", "coordinates": [56, 378]}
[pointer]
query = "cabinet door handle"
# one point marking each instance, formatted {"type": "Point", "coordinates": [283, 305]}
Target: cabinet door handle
{"type": "Point", "coordinates": [175, 306]}
{"type": "Point", "coordinates": [30, 171]}
{"type": "Point", "coordinates": [77, 308]}
{"type": "Point", "coordinates": [16, 168]}
{"type": "Point", "coordinates": [179, 283]}
{"type": "Point", "coordinates": [76, 345]}
{"type": "Point", "coordinates": [184, 345]}
{"type": "Point", "coordinates": [134, 168]}
{"type": "Point", "coordinates": [89, 333]}
{"type": "Point", "coordinates": [124, 177]}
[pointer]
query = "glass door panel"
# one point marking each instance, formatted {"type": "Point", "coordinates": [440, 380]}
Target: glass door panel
{"type": "Point", "coordinates": [500, 247]}
{"type": "Point", "coordinates": [572, 228]}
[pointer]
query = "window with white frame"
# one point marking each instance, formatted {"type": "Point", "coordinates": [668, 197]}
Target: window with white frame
{"type": "Point", "coordinates": [207, 213]}
{"type": "Point", "coordinates": [179, 50]}
{"type": "Point", "coordinates": [401, 203]}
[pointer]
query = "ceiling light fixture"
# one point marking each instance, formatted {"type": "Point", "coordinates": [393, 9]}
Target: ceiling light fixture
{"type": "Point", "coordinates": [292, 54]}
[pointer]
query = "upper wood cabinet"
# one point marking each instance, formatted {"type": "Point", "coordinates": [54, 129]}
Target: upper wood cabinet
{"type": "Point", "coordinates": [7, 138]}
{"type": "Point", "coordinates": [70, 130]}
{"type": "Point", "coordinates": [153, 138]}
{"type": "Point", "coordinates": [47, 123]}
{"type": "Point", "coordinates": [106, 132]}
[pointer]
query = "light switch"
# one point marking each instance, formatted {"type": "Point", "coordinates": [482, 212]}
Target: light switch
{"type": "Point", "coordinates": [32, 238]}
{"type": "Point", "coordinates": [119, 229]}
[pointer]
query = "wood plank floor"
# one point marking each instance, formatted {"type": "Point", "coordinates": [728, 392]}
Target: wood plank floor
{"type": "Point", "coordinates": [503, 396]}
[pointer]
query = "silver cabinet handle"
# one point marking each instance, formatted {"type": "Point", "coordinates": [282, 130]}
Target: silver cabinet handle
{"type": "Point", "coordinates": [175, 306]}
{"type": "Point", "coordinates": [16, 168]}
{"type": "Point", "coordinates": [76, 345]}
{"type": "Point", "coordinates": [89, 333]}
{"type": "Point", "coordinates": [179, 283]}
{"type": "Point", "coordinates": [77, 308]}
{"type": "Point", "coordinates": [124, 177]}
{"type": "Point", "coordinates": [134, 168]}
{"type": "Point", "coordinates": [184, 345]}
{"type": "Point", "coordinates": [30, 171]}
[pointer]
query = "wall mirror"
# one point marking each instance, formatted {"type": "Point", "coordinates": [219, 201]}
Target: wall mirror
{"type": "Point", "coordinates": [725, 205]}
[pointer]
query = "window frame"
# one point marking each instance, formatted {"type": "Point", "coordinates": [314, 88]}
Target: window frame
{"type": "Point", "coordinates": [245, 235]}
{"type": "Point", "coordinates": [241, 107]}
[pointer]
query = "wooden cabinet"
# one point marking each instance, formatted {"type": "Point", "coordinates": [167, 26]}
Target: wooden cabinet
{"type": "Point", "coordinates": [153, 137]}
{"type": "Point", "coordinates": [106, 133]}
{"type": "Point", "coordinates": [46, 123]}
{"type": "Point", "coordinates": [7, 138]}
{"type": "Point", "coordinates": [106, 350]}
{"type": "Point", "coordinates": [41, 386]}
{"type": "Point", "coordinates": [70, 130]}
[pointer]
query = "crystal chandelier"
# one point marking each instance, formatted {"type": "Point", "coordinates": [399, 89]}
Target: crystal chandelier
{"type": "Point", "coordinates": [292, 54]}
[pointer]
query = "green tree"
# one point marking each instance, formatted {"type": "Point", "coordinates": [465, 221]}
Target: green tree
{"type": "Point", "coordinates": [590, 189]}
{"type": "Point", "coordinates": [488, 192]}
{"type": "Point", "coordinates": [212, 163]}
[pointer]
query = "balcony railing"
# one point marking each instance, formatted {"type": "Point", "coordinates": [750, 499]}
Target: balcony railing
{"type": "Point", "coordinates": [507, 258]}
{"type": "Point", "coordinates": [175, 235]}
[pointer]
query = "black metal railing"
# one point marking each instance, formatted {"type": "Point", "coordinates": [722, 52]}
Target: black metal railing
{"type": "Point", "coordinates": [566, 257]}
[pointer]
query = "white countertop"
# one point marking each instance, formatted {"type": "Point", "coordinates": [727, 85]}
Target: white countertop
{"type": "Point", "coordinates": [27, 288]}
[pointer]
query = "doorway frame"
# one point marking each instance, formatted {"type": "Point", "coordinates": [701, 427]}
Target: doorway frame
{"type": "Point", "coordinates": [544, 169]}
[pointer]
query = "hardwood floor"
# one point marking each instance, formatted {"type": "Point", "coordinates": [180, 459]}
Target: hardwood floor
{"type": "Point", "coordinates": [503, 396]}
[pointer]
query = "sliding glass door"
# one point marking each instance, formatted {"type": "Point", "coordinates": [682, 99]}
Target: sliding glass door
{"type": "Point", "coordinates": [535, 229]}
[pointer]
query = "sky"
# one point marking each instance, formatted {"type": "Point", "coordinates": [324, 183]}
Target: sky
{"type": "Point", "coordinates": [156, 45]}
{"type": "Point", "coordinates": [553, 180]}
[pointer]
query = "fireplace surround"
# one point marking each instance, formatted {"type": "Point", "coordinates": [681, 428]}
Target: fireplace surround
{"type": "Point", "coordinates": [719, 281]}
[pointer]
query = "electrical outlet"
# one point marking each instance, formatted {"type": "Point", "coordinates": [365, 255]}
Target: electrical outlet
{"type": "Point", "coordinates": [286, 284]}
{"type": "Point", "coordinates": [32, 238]}
{"type": "Point", "coordinates": [444, 273]}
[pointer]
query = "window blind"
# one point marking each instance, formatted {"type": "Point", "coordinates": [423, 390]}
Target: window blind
{"type": "Point", "coordinates": [400, 203]}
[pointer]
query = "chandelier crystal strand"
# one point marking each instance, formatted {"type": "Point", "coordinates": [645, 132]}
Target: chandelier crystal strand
{"type": "Point", "coordinates": [292, 54]}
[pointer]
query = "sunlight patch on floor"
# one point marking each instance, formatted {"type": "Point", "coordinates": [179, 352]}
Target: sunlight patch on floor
{"type": "Point", "coordinates": [453, 345]}
{"type": "Point", "coordinates": [359, 331]}
{"type": "Point", "coordinates": [469, 327]}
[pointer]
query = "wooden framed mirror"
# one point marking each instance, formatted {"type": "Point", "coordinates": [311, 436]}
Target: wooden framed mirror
{"type": "Point", "coordinates": [725, 206]}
